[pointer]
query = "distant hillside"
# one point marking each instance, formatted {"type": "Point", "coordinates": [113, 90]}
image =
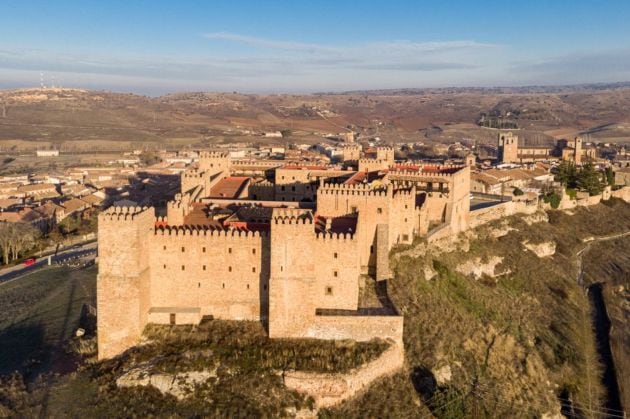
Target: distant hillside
{"type": "Point", "coordinates": [92, 120]}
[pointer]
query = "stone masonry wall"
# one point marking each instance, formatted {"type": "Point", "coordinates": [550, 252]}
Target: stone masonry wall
{"type": "Point", "coordinates": [331, 389]}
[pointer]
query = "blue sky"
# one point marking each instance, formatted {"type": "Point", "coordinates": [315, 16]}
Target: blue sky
{"type": "Point", "coordinates": [154, 47]}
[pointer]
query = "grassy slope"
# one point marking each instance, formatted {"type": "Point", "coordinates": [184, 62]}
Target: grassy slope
{"type": "Point", "coordinates": [42, 310]}
{"type": "Point", "coordinates": [609, 263]}
{"type": "Point", "coordinates": [39, 313]}
{"type": "Point", "coordinates": [512, 343]}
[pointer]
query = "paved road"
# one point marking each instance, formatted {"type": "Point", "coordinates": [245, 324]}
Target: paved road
{"type": "Point", "coordinates": [79, 253]}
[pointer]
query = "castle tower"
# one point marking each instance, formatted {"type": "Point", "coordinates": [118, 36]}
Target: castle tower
{"type": "Point", "coordinates": [470, 160]}
{"type": "Point", "coordinates": [122, 286]}
{"type": "Point", "coordinates": [385, 154]}
{"type": "Point", "coordinates": [577, 147]}
{"type": "Point", "coordinates": [351, 153]}
{"type": "Point", "coordinates": [508, 147]}
{"type": "Point", "coordinates": [214, 162]}
{"type": "Point", "coordinates": [292, 272]}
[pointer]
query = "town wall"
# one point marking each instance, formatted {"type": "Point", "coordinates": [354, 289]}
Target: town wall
{"type": "Point", "coordinates": [331, 389]}
{"type": "Point", "coordinates": [359, 328]}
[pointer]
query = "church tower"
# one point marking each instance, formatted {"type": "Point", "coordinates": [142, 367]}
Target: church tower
{"type": "Point", "coordinates": [508, 147]}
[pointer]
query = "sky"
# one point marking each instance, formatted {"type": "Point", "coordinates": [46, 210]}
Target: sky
{"type": "Point", "coordinates": [299, 46]}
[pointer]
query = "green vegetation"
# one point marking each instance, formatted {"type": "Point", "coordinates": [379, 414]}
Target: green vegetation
{"type": "Point", "coordinates": [584, 178]}
{"type": "Point", "coordinates": [75, 225]}
{"type": "Point", "coordinates": [553, 199]}
{"type": "Point", "coordinates": [244, 346]}
{"type": "Point", "coordinates": [518, 192]}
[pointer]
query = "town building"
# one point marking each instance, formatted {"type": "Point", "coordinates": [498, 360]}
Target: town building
{"type": "Point", "coordinates": [574, 150]}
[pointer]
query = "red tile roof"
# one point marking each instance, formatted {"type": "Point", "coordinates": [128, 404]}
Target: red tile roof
{"type": "Point", "coordinates": [230, 187]}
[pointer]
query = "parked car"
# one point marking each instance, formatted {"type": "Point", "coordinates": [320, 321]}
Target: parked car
{"type": "Point", "coordinates": [29, 261]}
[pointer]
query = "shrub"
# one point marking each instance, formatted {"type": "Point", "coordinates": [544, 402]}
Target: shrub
{"type": "Point", "coordinates": [553, 199]}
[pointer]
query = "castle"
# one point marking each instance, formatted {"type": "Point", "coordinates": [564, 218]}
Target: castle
{"type": "Point", "coordinates": [571, 150]}
{"type": "Point", "coordinates": [289, 245]}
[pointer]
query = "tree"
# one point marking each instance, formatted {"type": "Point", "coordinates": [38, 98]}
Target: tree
{"type": "Point", "coordinates": [610, 176]}
{"type": "Point", "coordinates": [589, 180]}
{"type": "Point", "coordinates": [16, 239]}
{"type": "Point", "coordinates": [567, 174]}
{"type": "Point", "coordinates": [518, 192]}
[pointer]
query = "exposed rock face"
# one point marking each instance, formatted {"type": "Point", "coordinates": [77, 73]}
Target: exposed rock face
{"type": "Point", "coordinates": [477, 269]}
{"type": "Point", "coordinates": [500, 231]}
{"type": "Point", "coordinates": [178, 385]}
{"type": "Point", "coordinates": [541, 250]}
{"type": "Point", "coordinates": [537, 217]}
{"type": "Point", "coordinates": [443, 375]}
{"type": "Point", "coordinates": [429, 272]}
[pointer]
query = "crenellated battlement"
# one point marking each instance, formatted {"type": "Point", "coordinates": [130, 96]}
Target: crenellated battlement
{"type": "Point", "coordinates": [418, 174]}
{"type": "Point", "coordinates": [352, 189]}
{"type": "Point", "coordinates": [328, 235]}
{"type": "Point", "coordinates": [192, 230]}
{"type": "Point", "coordinates": [292, 216]}
{"type": "Point", "coordinates": [404, 193]}
{"type": "Point", "coordinates": [213, 155]}
{"type": "Point", "coordinates": [124, 213]}
{"type": "Point", "coordinates": [193, 173]}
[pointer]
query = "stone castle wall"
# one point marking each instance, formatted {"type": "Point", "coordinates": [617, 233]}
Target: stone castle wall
{"type": "Point", "coordinates": [331, 389]}
{"type": "Point", "coordinates": [122, 295]}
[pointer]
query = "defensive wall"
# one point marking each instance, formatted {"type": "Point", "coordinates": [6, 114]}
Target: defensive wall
{"type": "Point", "coordinates": [331, 389]}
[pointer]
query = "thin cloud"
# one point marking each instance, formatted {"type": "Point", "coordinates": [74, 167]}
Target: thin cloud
{"type": "Point", "coordinates": [386, 47]}
{"type": "Point", "coordinates": [267, 43]}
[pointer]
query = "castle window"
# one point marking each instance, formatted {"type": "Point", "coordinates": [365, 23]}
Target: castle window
{"type": "Point", "coordinates": [253, 251]}
{"type": "Point", "coordinates": [282, 188]}
{"type": "Point", "coordinates": [223, 285]}
{"type": "Point", "coordinates": [335, 255]}
{"type": "Point", "coordinates": [254, 270]}
{"type": "Point", "coordinates": [281, 268]}
{"type": "Point", "coordinates": [183, 267]}
{"type": "Point", "coordinates": [353, 209]}
{"type": "Point", "coordinates": [329, 291]}
{"type": "Point", "coordinates": [405, 206]}
{"type": "Point", "coordinates": [282, 177]}
{"type": "Point", "coordinates": [164, 247]}
{"type": "Point", "coordinates": [335, 274]}
{"type": "Point", "coordinates": [265, 287]}
{"type": "Point", "coordinates": [165, 266]}
{"type": "Point", "coordinates": [204, 267]}
{"type": "Point", "coordinates": [203, 249]}
{"type": "Point", "coordinates": [198, 284]}
{"type": "Point", "coordinates": [229, 250]}
{"type": "Point", "coordinates": [172, 319]}
{"type": "Point", "coordinates": [379, 210]}
{"type": "Point", "coordinates": [372, 249]}
{"type": "Point", "coordinates": [229, 269]}
{"type": "Point", "coordinates": [405, 237]}
{"type": "Point", "coordinates": [247, 286]}
{"type": "Point", "coordinates": [293, 188]}
{"type": "Point", "coordinates": [405, 220]}
{"type": "Point", "coordinates": [183, 249]}
{"type": "Point", "coordinates": [293, 178]}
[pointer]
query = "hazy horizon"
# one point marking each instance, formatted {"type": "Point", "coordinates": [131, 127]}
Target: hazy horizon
{"type": "Point", "coordinates": [159, 47]}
